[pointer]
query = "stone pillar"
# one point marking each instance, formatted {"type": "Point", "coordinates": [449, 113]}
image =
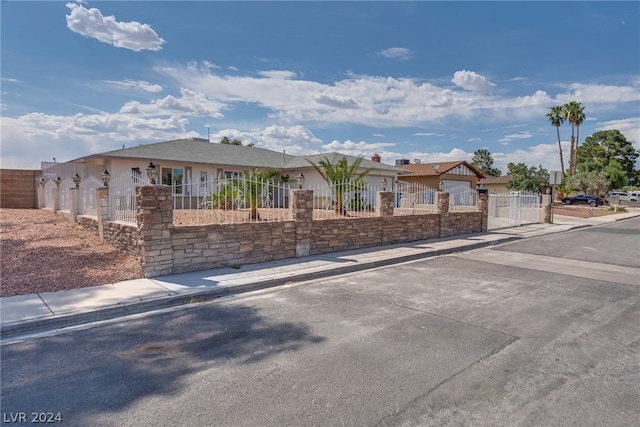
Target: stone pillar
{"type": "Point", "coordinates": [302, 214]}
{"type": "Point", "coordinates": [546, 213]}
{"type": "Point", "coordinates": [384, 203]}
{"type": "Point", "coordinates": [55, 196]}
{"type": "Point", "coordinates": [483, 207]}
{"type": "Point", "coordinates": [75, 204]}
{"type": "Point", "coordinates": [102, 208]}
{"type": "Point", "coordinates": [445, 216]}
{"type": "Point", "coordinates": [154, 214]}
{"type": "Point", "coordinates": [41, 195]}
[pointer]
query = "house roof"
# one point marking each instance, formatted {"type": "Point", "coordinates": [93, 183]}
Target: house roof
{"type": "Point", "coordinates": [200, 151]}
{"type": "Point", "coordinates": [300, 162]}
{"type": "Point", "coordinates": [205, 152]}
{"type": "Point", "coordinates": [434, 169]}
{"type": "Point", "coordinates": [495, 179]}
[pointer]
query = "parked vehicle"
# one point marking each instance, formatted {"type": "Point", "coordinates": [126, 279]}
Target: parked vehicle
{"type": "Point", "coordinates": [621, 195]}
{"type": "Point", "coordinates": [584, 199]}
{"type": "Point", "coordinates": [634, 196]}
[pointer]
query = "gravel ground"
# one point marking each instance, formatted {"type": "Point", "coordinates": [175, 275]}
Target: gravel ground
{"type": "Point", "coordinates": [44, 252]}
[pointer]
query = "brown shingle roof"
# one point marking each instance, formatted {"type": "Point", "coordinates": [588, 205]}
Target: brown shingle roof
{"type": "Point", "coordinates": [427, 169]}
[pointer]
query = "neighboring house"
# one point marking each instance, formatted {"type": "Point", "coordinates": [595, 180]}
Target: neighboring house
{"type": "Point", "coordinates": [449, 174]}
{"type": "Point", "coordinates": [495, 184]}
{"type": "Point", "coordinates": [189, 165]}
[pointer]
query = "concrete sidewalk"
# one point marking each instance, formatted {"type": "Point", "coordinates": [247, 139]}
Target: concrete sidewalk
{"type": "Point", "coordinates": [26, 314]}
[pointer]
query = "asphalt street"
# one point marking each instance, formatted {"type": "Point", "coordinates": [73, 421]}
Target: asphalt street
{"type": "Point", "coordinates": [544, 331]}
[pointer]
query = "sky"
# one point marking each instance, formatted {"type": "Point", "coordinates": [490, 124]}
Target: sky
{"type": "Point", "coordinates": [433, 81]}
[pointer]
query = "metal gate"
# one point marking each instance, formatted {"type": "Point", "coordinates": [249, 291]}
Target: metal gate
{"type": "Point", "coordinates": [513, 209]}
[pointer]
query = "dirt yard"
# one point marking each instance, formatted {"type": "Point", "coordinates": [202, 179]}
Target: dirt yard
{"type": "Point", "coordinates": [44, 252]}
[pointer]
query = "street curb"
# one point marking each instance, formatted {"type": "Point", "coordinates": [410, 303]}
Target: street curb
{"type": "Point", "coordinates": [75, 319]}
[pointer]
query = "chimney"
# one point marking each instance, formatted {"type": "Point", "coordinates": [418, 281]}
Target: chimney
{"type": "Point", "coordinates": [375, 158]}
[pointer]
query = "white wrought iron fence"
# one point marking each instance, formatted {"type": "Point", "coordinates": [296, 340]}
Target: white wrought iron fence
{"type": "Point", "coordinates": [48, 194]}
{"type": "Point", "coordinates": [246, 198]}
{"type": "Point", "coordinates": [414, 198]}
{"type": "Point", "coordinates": [122, 196]}
{"type": "Point", "coordinates": [348, 199]}
{"type": "Point", "coordinates": [514, 208]}
{"type": "Point", "coordinates": [87, 204]}
{"type": "Point", "coordinates": [463, 199]}
{"type": "Point", "coordinates": [65, 194]}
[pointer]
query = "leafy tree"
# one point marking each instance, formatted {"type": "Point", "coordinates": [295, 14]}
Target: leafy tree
{"type": "Point", "coordinates": [589, 181]}
{"type": "Point", "coordinates": [609, 146]}
{"type": "Point", "coordinates": [556, 117]}
{"type": "Point", "coordinates": [483, 161]}
{"type": "Point", "coordinates": [341, 177]}
{"type": "Point", "coordinates": [227, 141]}
{"type": "Point", "coordinates": [594, 178]}
{"type": "Point", "coordinates": [574, 114]}
{"type": "Point", "coordinates": [526, 178]}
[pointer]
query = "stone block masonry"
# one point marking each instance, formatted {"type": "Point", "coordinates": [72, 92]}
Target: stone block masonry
{"type": "Point", "coordinates": [166, 249]}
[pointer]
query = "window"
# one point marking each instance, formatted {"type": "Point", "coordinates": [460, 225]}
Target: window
{"type": "Point", "coordinates": [173, 177]}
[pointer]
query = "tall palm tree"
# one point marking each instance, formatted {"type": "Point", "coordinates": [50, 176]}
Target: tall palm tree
{"type": "Point", "coordinates": [556, 117]}
{"type": "Point", "coordinates": [574, 114]}
{"type": "Point", "coordinates": [579, 118]}
{"type": "Point", "coordinates": [341, 177]}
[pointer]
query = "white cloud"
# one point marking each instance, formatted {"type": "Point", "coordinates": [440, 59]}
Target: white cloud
{"type": "Point", "coordinates": [43, 136]}
{"type": "Point", "coordinates": [278, 74]}
{"type": "Point", "coordinates": [472, 81]}
{"type": "Point", "coordinates": [381, 101]}
{"type": "Point", "coordinates": [396, 52]}
{"type": "Point", "coordinates": [129, 35]}
{"type": "Point", "coordinates": [511, 137]}
{"type": "Point", "coordinates": [189, 103]}
{"type": "Point", "coordinates": [136, 84]}
{"type": "Point", "coordinates": [9, 80]}
{"type": "Point", "coordinates": [595, 94]}
{"type": "Point", "coordinates": [335, 100]}
{"type": "Point", "coordinates": [428, 134]}
{"type": "Point", "coordinates": [294, 140]}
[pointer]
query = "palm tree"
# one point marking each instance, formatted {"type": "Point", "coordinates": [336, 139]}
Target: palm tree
{"type": "Point", "coordinates": [579, 118]}
{"type": "Point", "coordinates": [341, 177]}
{"type": "Point", "coordinates": [250, 188]}
{"type": "Point", "coordinates": [574, 114]}
{"type": "Point", "coordinates": [556, 117]}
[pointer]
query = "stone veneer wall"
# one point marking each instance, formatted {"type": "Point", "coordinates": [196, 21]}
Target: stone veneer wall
{"type": "Point", "coordinates": [123, 236]}
{"type": "Point", "coordinates": [166, 249]}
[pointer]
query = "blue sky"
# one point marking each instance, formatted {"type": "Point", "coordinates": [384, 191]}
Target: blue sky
{"type": "Point", "coordinates": [428, 80]}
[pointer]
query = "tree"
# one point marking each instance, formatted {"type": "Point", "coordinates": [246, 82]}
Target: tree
{"type": "Point", "coordinates": [593, 177]}
{"type": "Point", "coordinates": [589, 181]}
{"type": "Point", "coordinates": [526, 178]}
{"type": "Point", "coordinates": [225, 140]}
{"type": "Point", "coordinates": [341, 177]}
{"type": "Point", "coordinates": [574, 114]}
{"type": "Point", "coordinates": [250, 188]}
{"type": "Point", "coordinates": [483, 161]}
{"type": "Point", "coordinates": [556, 117]}
{"type": "Point", "coordinates": [610, 146]}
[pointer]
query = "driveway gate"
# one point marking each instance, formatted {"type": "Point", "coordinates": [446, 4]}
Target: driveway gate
{"type": "Point", "coordinates": [513, 209]}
